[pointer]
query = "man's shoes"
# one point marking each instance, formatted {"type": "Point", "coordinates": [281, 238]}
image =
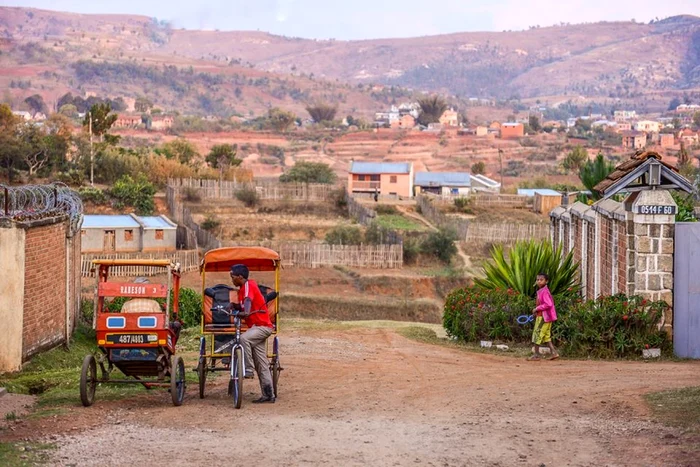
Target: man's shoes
{"type": "Point", "coordinates": [268, 396]}
{"type": "Point", "coordinates": [248, 375]}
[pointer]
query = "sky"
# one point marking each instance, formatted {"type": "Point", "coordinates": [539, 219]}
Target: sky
{"type": "Point", "coordinates": [373, 19]}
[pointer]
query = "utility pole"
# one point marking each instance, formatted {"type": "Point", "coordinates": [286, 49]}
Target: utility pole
{"type": "Point", "coordinates": [500, 162]}
{"type": "Point", "coordinates": [92, 158]}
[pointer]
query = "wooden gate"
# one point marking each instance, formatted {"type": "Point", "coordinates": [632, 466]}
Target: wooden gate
{"type": "Point", "coordinates": [686, 290]}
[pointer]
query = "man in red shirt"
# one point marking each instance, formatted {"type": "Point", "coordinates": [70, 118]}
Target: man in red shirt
{"type": "Point", "coordinates": [257, 317]}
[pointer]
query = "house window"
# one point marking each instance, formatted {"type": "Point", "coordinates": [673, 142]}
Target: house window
{"type": "Point", "coordinates": [159, 234]}
{"type": "Point", "coordinates": [129, 235]}
{"type": "Point", "coordinates": [374, 178]}
{"type": "Point", "coordinates": [361, 178]}
{"type": "Point", "coordinates": [392, 179]}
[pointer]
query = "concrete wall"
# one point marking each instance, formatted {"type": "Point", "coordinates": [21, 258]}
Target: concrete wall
{"type": "Point", "coordinates": [11, 298]}
{"type": "Point", "coordinates": [150, 241]}
{"type": "Point", "coordinates": [402, 187]}
{"type": "Point", "coordinates": [93, 240]}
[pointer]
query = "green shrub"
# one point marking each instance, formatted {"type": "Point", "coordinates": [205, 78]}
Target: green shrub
{"type": "Point", "coordinates": [411, 250]}
{"type": "Point", "coordinates": [344, 235]}
{"type": "Point", "coordinates": [248, 196]}
{"type": "Point", "coordinates": [386, 209]}
{"type": "Point", "coordinates": [211, 223]}
{"type": "Point", "coordinates": [614, 326]}
{"type": "Point", "coordinates": [93, 195]}
{"type": "Point", "coordinates": [87, 311]}
{"type": "Point", "coordinates": [441, 245]}
{"type": "Point", "coordinates": [137, 193]}
{"type": "Point", "coordinates": [71, 177]}
{"type": "Point", "coordinates": [525, 260]}
{"type": "Point", "coordinates": [375, 234]}
{"type": "Point", "coordinates": [463, 204]}
{"type": "Point", "coordinates": [610, 327]}
{"type": "Point", "coordinates": [190, 307]}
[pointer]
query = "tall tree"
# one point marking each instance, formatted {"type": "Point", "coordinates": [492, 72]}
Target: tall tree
{"type": "Point", "coordinates": [10, 144]}
{"type": "Point", "coordinates": [309, 172]}
{"type": "Point", "coordinates": [322, 112]}
{"type": "Point", "coordinates": [223, 156]}
{"type": "Point", "coordinates": [280, 119]}
{"type": "Point", "coordinates": [142, 104]}
{"type": "Point", "coordinates": [575, 159]}
{"type": "Point", "coordinates": [593, 172]}
{"type": "Point", "coordinates": [431, 109]}
{"type": "Point", "coordinates": [534, 123]}
{"type": "Point", "coordinates": [102, 119]}
{"type": "Point", "coordinates": [36, 104]}
{"type": "Point", "coordinates": [179, 149]}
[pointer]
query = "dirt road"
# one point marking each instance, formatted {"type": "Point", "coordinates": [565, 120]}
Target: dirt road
{"type": "Point", "coordinates": [371, 397]}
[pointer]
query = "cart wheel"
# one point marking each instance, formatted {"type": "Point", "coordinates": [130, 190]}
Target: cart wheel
{"type": "Point", "coordinates": [88, 380]}
{"type": "Point", "coordinates": [177, 380]}
{"type": "Point", "coordinates": [275, 366]}
{"type": "Point", "coordinates": [202, 374]}
{"type": "Point", "coordinates": [237, 378]}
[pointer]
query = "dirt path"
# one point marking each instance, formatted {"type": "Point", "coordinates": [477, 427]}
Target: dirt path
{"type": "Point", "coordinates": [372, 397]}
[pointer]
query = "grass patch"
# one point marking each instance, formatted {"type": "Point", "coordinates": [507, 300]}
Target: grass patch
{"type": "Point", "coordinates": [55, 375]}
{"type": "Point", "coordinates": [398, 222]}
{"type": "Point", "coordinates": [678, 407]}
{"type": "Point", "coordinates": [24, 454]}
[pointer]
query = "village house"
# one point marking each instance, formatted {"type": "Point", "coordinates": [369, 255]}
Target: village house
{"type": "Point", "coordinates": [383, 178]}
{"type": "Point", "coordinates": [687, 136]}
{"type": "Point", "coordinates": [666, 140]}
{"type": "Point", "coordinates": [453, 183]}
{"type": "Point", "coordinates": [161, 122]}
{"type": "Point", "coordinates": [26, 116]}
{"type": "Point", "coordinates": [406, 122]}
{"type": "Point", "coordinates": [449, 118]}
{"type": "Point", "coordinates": [512, 130]}
{"type": "Point", "coordinates": [127, 233]}
{"type": "Point", "coordinates": [687, 108]}
{"type": "Point", "coordinates": [127, 121]}
{"type": "Point", "coordinates": [623, 126]}
{"type": "Point", "coordinates": [633, 139]}
{"type": "Point", "coordinates": [412, 109]}
{"type": "Point", "coordinates": [622, 115]}
{"type": "Point", "coordinates": [647, 126]}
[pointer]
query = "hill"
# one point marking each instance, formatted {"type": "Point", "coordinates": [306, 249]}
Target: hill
{"type": "Point", "coordinates": [611, 60]}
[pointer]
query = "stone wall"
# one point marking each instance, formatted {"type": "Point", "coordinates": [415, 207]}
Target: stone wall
{"type": "Point", "coordinates": [618, 249]}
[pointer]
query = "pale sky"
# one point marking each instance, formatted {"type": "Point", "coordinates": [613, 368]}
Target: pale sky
{"type": "Point", "coordinates": [369, 19]}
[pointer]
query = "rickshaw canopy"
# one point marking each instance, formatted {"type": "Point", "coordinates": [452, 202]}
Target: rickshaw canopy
{"type": "Point", "coordinates": [134, 262]}
{"type": "Point", "coordinates": [255, 257]}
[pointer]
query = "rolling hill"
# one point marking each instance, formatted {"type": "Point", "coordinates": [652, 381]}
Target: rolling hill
{"type": "Point", "coordinates": [251, 71]}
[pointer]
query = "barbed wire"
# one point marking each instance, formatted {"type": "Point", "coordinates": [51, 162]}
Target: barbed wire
{"type": "Point", "coordinates": [30, 202]}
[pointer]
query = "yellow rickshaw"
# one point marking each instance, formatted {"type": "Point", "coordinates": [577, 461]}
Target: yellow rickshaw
{"type": "Point", "coordinates": [219, 348]}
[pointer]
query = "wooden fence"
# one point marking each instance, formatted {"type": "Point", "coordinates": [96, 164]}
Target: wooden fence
{"type": "Point", "coordinates": [508, 233]}
{"type": "Point", "coordinates": [183, 216]}
{"type": "Point", "coordinates": [430, 210]}
{"type": "Point", "coordinates": [488, 200]}
{"type": "Point", "coordinates": [357, 210]}
{"type": "Point", "coordinates": [315, 254]}
{"type": "Point", "coordinates": [188, 259]}
{"type": "Point", "coordinates": [266, 190]}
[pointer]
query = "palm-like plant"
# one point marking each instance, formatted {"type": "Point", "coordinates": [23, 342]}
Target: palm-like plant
{"type": "Point", "coordinates": [593, 172]}
{"type": "Point", "coordinates": [526, 260]}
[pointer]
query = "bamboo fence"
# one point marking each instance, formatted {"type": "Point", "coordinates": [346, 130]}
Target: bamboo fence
{"type": "Point", "coordinates": [507, 233]}
{"type": "Point", "coordinates": [188, 259]}
{"type": "Point", "coordinates": [266, 190]}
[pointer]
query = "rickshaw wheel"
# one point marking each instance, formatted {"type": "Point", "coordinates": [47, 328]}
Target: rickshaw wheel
{"type": "Point", "coordinates": [237, 380]}
{"type": "Point", "coordinates": [177, 380]}
{"type": "Point", "coordinates": [275, 370]}
{"type": "Point", "coordinates": [88, 380]}
{"type": "Point", "coordinates": [275, 366]}
{"type": "Point", "coordinates": [202, 374]}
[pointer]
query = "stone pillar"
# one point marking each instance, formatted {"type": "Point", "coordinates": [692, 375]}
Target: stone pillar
{"type": "Point", "coordinates": [652, 233]}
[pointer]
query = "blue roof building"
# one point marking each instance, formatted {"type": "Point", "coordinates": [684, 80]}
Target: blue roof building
{"type": "Point", "coordinates": [127, 233]}
{"type": "Point", "coordinates": [394, 179]}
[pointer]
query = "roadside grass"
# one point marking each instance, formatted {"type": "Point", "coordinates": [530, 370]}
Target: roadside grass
{"type": "Point", "coordinates": [678, 408]}
{"type": "Point", "coordinates": [399, 222]}
{"type": "Point", "coordinates": [54, 376]}
{"type": "Point", "coordinates": [24, 454]}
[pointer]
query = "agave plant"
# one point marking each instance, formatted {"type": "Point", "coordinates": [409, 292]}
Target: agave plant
{"type": "Point", "coordinates": [526, 260]}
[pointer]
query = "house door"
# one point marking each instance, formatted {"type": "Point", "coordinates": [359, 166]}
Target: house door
{"type": "Point", "coordinates": [686, 290]}
{"type": "Point", "coordinates": [109, 241]}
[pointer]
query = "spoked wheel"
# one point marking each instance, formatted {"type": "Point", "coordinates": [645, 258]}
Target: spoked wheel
{"type": "Point", "coordinates": [177, 380]}
{"type": "Point", "coordinates": [275, 366]}
{"type": "Point", "coordinates": [202, 367]}
{"type": "Point", "coordinates": [202, 374]}
{"type": "Point", "coordinates": [88, 380]}
{"type": "Point", "coordinates": [236, 384]}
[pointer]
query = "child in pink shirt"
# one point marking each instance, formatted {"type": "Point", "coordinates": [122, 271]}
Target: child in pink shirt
{"type": "Point", "coordinates": [545, 314]}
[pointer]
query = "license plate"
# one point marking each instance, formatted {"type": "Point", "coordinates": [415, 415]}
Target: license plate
{"type": "Point", "coordinates": [132, 338]}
